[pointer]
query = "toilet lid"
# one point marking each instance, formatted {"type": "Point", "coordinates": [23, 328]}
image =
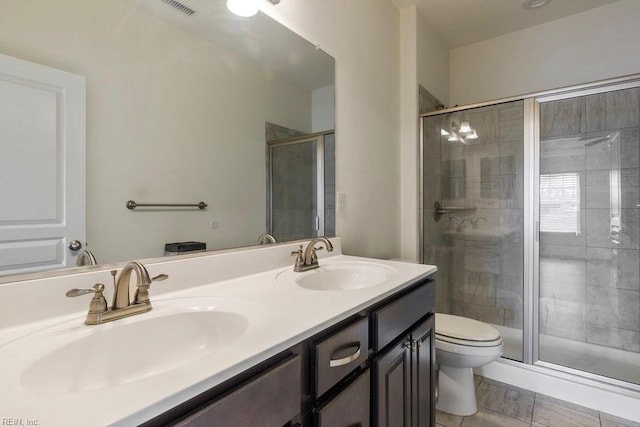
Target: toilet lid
{"type": "Point", "coordinates": [464, 329]}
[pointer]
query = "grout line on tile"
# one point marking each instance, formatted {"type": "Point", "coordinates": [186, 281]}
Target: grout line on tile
{"type": "Point", "coordinates": [533, 408]}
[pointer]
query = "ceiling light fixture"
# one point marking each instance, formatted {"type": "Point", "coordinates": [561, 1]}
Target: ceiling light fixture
{"type": "Point", "coordinates": [465, 128]}
{"type": "Point", "coordinates": [246, 8]}
{"type": "Point", "coordinates": [463, 133]}
{"type": "Point", "coordinates": [534, 4]}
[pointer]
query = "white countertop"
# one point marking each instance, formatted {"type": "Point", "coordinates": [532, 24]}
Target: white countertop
{"type": "Point", "coordinates": [280, 315]}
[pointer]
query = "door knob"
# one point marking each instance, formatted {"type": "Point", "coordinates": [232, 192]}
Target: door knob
{"type": "Point", "coordinates": [75, 245]}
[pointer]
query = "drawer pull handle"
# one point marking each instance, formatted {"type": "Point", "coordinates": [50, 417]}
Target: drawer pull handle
{"type": "Point", "coordinates": [334, 363]}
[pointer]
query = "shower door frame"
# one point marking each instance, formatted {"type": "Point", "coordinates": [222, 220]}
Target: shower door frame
{"type": "Point", "coordinates": [531, 218]}
{"type": "Point", "coordinates": [318, 138]}
{"type": "Point", "coordinates": [596, 88]}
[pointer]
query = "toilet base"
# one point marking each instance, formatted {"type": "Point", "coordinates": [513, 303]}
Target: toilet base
{"type": "Point", "coordinates": [456, 391]}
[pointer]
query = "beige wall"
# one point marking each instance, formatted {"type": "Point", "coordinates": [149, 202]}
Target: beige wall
{"type": "Point", "coordinates": [597, 44]}
{"type": "Point", "coordinates": [363, 37]}
{"type": "Point", "coordinates": [409, 133]}
{"type": "Point", "coordinates": [433, 62]}
{"type": "Point", "coordinates": [170, 119]}
{"type": "Point", "coordinates": [424, 61]}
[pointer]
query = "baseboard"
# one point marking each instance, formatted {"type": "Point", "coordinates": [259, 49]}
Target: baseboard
{"type": "Point", "coordinates": [593, 394]}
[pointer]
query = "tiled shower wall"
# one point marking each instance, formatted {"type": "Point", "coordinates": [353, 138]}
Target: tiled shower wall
{"type": "Point", "coordinates": [294, 175]}
{"type": "Point", "coordinates": [590, 278]}
{"type": "Point", "coordinates": [484, 245]}
{"type": "Point", "coordinates": [329, 185]}
{"type": "Point", "coordinates": [294, 191]}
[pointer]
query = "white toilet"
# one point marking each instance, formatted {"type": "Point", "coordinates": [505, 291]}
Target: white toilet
{"type": "Point", "coordinates": [461, 345]}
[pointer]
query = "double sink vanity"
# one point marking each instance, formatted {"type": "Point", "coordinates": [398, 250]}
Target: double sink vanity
{"type": "Point", "coordinates": [234, 338]}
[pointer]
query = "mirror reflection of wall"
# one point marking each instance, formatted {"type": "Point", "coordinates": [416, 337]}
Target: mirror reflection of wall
{"type": "Point", "coordinates": [176, 109]}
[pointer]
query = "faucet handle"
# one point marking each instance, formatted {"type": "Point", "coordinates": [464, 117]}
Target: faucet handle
{"type": "Point", "coordinates": [299, 257]}
{"type": "Point", "coordinates": [297, 254]}
{"type": "Point", "coordinates": [98, 302]}
{"type": "Point", "coordinates": [76, 292]}
{"type": "Point", "coordinates": [142, 293]}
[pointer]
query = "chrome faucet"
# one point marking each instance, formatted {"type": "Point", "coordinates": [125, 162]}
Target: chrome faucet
{"type": "Point", "coordinates": [86, 258]}
{"type": "Point", "coordinates": [307, 259]}
{"type": "Point", "coordinates": [122, 305]}
{"type": "Point", "coordinates": [121, 297]}
{"type": "Point", "coordinates": [266, 238]}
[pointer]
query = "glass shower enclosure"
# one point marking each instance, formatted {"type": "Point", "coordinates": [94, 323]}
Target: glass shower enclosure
{"type": "Point", "coordinates": [473, 214]}
{"type": "Point", "coordinates": [531, 210]}
{"type": "Point", "coordinates": [301, 187]}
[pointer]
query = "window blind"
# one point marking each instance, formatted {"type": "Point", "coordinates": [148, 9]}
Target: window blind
{"type": "Point", "coordinates": [560, 203]}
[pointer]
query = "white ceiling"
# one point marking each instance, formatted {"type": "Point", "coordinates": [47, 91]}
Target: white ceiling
{"type": "Point", "coordinates": [462, 22]}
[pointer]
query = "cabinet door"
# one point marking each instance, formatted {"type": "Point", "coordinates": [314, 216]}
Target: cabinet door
{"type": "Point", "coordinates": [270, 400]}
{"type": "Point", "coordinates": [350, 408]}
{"type": "Point", "coordinates": [423, 374]}
{"type": "Point", "coordinates": [393, 386]}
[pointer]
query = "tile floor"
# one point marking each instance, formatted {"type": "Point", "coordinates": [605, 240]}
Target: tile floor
{"type": "Point", "coordinates": [504, 405]}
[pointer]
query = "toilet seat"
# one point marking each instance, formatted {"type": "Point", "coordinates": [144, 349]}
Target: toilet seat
{"type": "Point", "coordinates": [494, 350]}
{"type": "Point", "coordinates": [462, 331]}
{"type": "Point", "coordinates": [468, 343]}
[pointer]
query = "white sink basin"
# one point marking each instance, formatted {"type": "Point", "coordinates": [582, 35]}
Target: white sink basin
{"type": "Point", "coordinates": [175, 333]}
{"type": "Point", "coordinates": [341, 276]}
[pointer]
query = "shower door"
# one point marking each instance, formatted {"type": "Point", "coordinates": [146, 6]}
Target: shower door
{"type": "Point", "coordinates": [473, 215]}
{"type": "Point", "coordinates": [589, 221]}
{"type": "Point", "coordinates": [531, 211]}
{"type": "Point", "coordinates": [300, 198]}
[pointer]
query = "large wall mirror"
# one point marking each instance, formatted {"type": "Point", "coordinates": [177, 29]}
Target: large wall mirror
{"type": "Point", "coordinates": [185, 103]}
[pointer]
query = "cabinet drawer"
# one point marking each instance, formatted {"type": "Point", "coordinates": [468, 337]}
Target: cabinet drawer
{"type": "Point", "coordinates": [350, 408]}
{"type": "Point", "coordinates": [396, 317]}
{"type": "Point", "coordinates": [340, 354]}
{"type": "Point", "coordinates": [272, 399]}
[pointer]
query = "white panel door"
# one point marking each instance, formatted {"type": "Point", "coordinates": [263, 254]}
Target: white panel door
{"type": "Point", "coordinates": [42, 166]}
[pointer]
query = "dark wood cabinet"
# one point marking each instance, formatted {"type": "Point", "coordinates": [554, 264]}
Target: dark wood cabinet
{"type": "Point", "coordinates": [404, 379]}
{"type": "Point", "coordinates": [374, 368]}
{"type": "Point", "coordinates": [271, 399]}
{"type": "Point", "coordinates": [397, 316]}
{"type": "Point", "coordinates": [339, 354]}
{"type": "Point", "coordinates": [350, 408]}
{"type": "Point", "coordinates": [423, 379]}
{"type": "Point", "coordinates": [392, 373]}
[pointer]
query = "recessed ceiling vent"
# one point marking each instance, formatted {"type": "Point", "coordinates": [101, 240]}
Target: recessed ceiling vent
{"type": "Point", "coordinates": [179, 6]}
